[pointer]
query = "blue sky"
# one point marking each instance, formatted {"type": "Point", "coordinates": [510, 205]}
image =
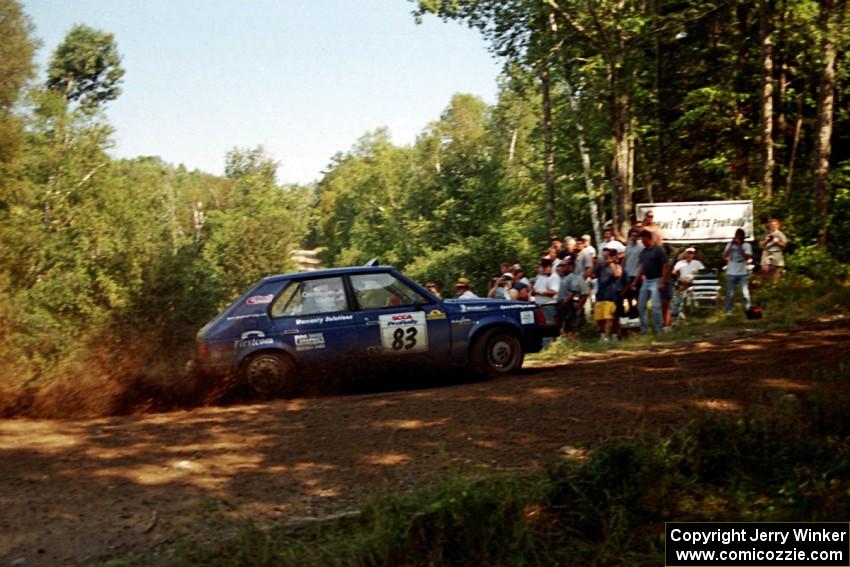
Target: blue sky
{"type": "Point", "coordinates": [303, 79]}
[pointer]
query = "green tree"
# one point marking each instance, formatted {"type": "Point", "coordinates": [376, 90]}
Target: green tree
{"type": "Point", "coordinates": [86, 67]}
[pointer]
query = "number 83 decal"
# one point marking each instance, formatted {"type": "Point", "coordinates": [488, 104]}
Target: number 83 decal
{"type": "Point", "coordinates": [402, 342]}
{"type": "Point", "coordinates": [404, 332]}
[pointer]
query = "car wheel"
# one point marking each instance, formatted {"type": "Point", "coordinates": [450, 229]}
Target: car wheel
{"type": "Point", "coordinates": [269, 373]}
{"type": "Point", "coordinates": [497, 352]}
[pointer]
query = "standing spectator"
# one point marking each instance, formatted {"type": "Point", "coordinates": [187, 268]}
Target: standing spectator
{"type": "Point", "coordinates": [570, 245]}
{"type": "Point", "coordinates": [500, 286]}
{"type": "Point", "coordinates": [546, 286]}
{"type": "Point", "coordinates": [521, 292]}
{"type": "Point", "coordinates": [463, 291]}
{"type": "Point", "coordinates": [433, 288]}
{"type": "Point", "coordinates": [519, 275]}
{"type": "Point", "coordinates": [737, 255]}
{"type": "Point", "coordinates": [631, 262]}
{"type": "Point", "coordinates": [686, 268]}
{"type": "Point", "coordinates": [586, 256]}
{"type": "Point", "coordinates": [653, 270]}
{"type": "Point", "coordinates": [650, 225]}
{"type": "Point", "coordinates": [607, 273]}
{"type": "Point", "coordinates": [773, 255]}
{"type": "Point", "coordinates": [572, 295]}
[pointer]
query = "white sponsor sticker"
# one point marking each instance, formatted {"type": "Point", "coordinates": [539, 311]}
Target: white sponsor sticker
{"type": "Point", "coordinates": [404, 332]}
{"type": "Point", "coordinates": [259, 299]}
{"type": "Point", "coordinates": [310, 341]}
{"type": "Point", "coordinates": [527, 317]}
{"type": "Point", "coordinates": [323, 320]}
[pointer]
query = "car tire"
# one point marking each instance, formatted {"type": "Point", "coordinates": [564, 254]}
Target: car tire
{"type": "Point", "coordinates": [497, 352]}
{"type": "Point", "coordinates": [269, 373]}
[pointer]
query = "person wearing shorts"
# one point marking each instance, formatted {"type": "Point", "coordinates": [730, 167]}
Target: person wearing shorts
{"type": "Point", "coordinates": [773, 246]}
{"type": "Point", "coordinates": [607, 273]}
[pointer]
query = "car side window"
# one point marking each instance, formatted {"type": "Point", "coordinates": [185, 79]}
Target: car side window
{"type": "Point", "coordinates": [382, 290]}
{"type": "Point", "coordinates": [311, 297]}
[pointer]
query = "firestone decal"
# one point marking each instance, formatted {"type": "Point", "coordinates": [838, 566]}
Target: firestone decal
{"type": "Point", "coordinates": [252, 339]}
{"type": "Point", "coordinates": [259, 299]}
{"type": "Point", "coordinates": [474, 307]}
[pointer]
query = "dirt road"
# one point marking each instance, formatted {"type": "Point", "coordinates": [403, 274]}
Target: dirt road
{"type": "Point", "coordinates": [75, 491]}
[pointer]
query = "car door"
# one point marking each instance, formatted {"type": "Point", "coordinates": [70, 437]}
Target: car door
{"type": "Point", "coordinates": [313, 317]}
{"type": "Point", "coordinates": [394, 320]}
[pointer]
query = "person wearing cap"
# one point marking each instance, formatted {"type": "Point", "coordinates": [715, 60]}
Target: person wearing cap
{"type": "Point", "coordinates": [519, 276]}
{"type": "Point", "coordinates": [686, 268]}
{"type": "Point", "coordinates": [463, 291]}
{"type": "Point", "coordinates": [546, 286]}
{"type": "Point", "coordinates": [433, 288]}
{"type": "Point", "coordinates": [586, 256]}
{"type": "Point", "coordinates": [501, 286]}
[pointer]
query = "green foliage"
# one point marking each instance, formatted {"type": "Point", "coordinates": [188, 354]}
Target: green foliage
{"type": "Point", "coordinates": [16, 53]}
{"type": "Point", "coordinates": [86, 67]}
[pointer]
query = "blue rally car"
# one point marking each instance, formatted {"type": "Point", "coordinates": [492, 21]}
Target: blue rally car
{"type": "Point", "coordinates": [287, 324]}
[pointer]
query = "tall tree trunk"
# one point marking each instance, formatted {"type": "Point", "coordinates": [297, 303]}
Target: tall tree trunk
{"type": "Point", "coordinates": [660, 162]}
{"type": "Point", "coordinates": [548, 148]}
{"type": "Point", "coordinates": [622, 165]}
{"type": "Point", "coordinates": [766, 8]}
{"type": "Point", "coordinates": [823, 130]}
{"type": "Point", "coordinates": [585, 163]}
{"type": "Point", "coordinates": [512, 148]}
{"type": "Point", "coordinates": [795, 143]}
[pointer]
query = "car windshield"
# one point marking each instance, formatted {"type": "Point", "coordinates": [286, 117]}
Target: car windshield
{"type": "Point", "coordinates": [382, 290]}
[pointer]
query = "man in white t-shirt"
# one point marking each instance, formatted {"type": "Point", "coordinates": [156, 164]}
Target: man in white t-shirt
{"type": "Point", "coordinates": [686, 268]}
{"type": "Point", "coordinates": [585, 255]}
{"type": "Point", "coordinates": [546, 287]}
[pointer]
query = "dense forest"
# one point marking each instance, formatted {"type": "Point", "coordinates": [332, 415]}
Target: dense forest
{"type": "Point", "coordinates": [108, 266]}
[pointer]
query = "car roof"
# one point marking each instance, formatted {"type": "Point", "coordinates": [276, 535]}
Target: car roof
{"type": "Point", "coordinates": [330, 272]}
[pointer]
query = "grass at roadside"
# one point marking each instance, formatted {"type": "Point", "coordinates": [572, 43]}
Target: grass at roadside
{"type": "Point", "coordinates": [606, 506]}
{"type": "Point", "coordinates": [785, 305]}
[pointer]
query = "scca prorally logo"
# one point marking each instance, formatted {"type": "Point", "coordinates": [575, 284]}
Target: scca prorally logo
{"type": "Point", "coordinates": [403, 317]}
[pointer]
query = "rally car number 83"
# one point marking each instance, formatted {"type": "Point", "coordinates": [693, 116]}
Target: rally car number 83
{"type": "Point", "coordinates": [286, 325]}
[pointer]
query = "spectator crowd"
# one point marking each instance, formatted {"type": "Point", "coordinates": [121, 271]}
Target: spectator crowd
{"type": "Point", "coordinates": [631, 284]}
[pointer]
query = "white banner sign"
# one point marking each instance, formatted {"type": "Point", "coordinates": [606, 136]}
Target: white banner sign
{"type": "Point", "coordinates": [709, 221]}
